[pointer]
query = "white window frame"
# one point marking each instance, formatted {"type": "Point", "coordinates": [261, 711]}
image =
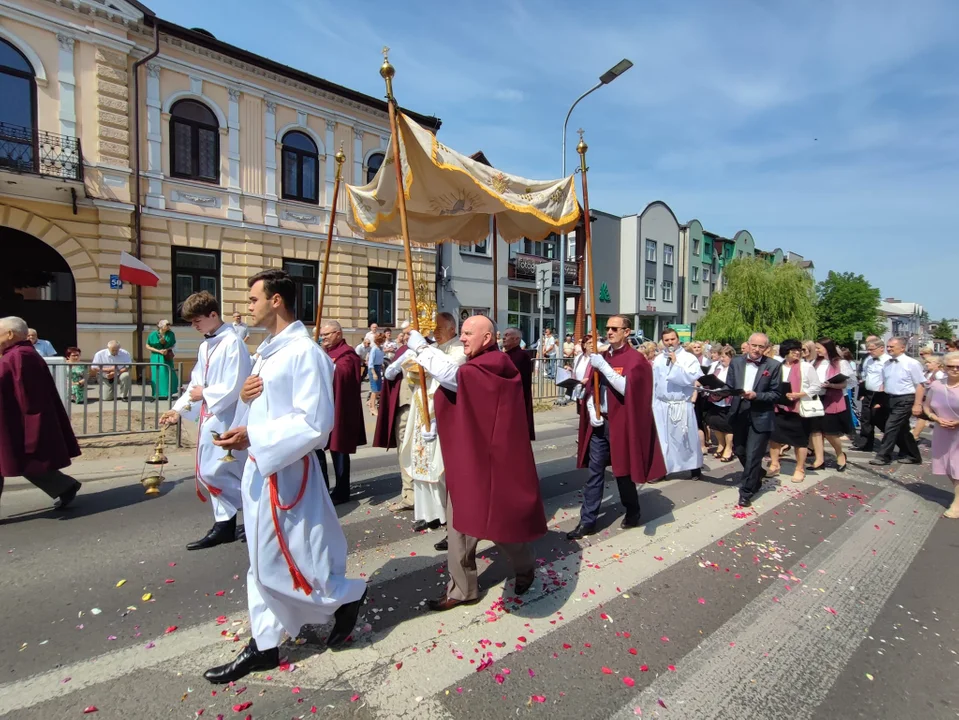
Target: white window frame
{"type": "Point", "coordinates": [694, 302]}
{"type": "Point", "coordinates": [695, 274]}
{"type": "Point", "coordinates": [667, 290]}
{"type": "Point", "coordinates": [696, 247]}
{"type": "Point", "coordinates": [650, 292]}
{"type": "Point", "coordinates": [485, 252]}
{"type": "Point", "coordinates": [668, 255]}
{"type": "Point", "coordinates": [650, 250]}
{"type": "Point", "coordinates": [705, 274]}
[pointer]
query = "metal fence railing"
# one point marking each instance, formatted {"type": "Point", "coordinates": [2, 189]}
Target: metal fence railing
{"type": "Point", "coordinates": [545, 389]}
{"type": "Point", "coordinates": [100, 402]}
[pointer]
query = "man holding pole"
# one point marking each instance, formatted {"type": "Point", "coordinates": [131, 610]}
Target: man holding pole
{"type": "Point", "coordinates": [349, 430]}
{"type": "Point", "coordinates": [222, 366]}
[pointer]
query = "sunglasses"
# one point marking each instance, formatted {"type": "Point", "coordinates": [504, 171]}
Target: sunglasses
{"type": "Point", "coordinates": [617, 329]}
{"type": "Point", "coordinates": [952, 367]}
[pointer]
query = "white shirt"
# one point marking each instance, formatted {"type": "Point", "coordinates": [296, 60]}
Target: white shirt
{"type": "Point", "coordinates": [103, 358]}
{"type": "Point", "coordinates": [872, 372]}
{"type": "Point", "coordinates": [242, 331]}
{"type": "Point", "coordinates": [749, 377]}
{"type": "Point", "coordinates": [902, 375]}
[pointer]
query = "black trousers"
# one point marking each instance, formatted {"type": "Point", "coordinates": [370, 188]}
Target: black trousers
{"type": "Point", "coordinates": [593, 491]}
{"type": "Point", "coordinates": [54, 483]}
{"type": "Point", "coordinates": [871, 418]}
{"type": "Point", "coordinates": [897, 429]}
{"type": "Point", "coordinates": [341, 472]}
{"type": "Point", "coordinates": [750, 447]}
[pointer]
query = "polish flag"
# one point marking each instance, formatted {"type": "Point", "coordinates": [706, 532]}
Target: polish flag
{"type": "Point", "coordinates": [137, 272]}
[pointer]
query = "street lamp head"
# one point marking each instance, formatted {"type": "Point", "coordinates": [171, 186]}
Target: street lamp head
{"type": "Point", "coordinates": [614, 72]}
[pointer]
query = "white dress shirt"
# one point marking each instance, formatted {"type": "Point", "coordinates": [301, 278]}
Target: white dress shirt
{"type": "Point", "coordinates": [749, 377]}
{"type": "Point", "coordinates": [872, 372]}
{"type": "Point", "coordinates": [902, 375]}
{"type": "Point", "coordinates": [120, 361]}
{"type": "Point", "coordinates": [242, 330]}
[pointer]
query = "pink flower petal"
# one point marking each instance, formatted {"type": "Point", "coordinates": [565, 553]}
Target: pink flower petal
{"type": "Point", "coordinates": [539, 698]}
{"type": "Point", "coordinates": [628, 682]}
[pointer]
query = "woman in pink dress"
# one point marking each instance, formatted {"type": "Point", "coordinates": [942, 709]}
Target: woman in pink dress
{"type": "Point", "coordinates": [942, 407]}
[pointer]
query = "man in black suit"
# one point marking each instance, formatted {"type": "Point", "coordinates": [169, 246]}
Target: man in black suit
{"type": "Point", "coordinates": [752, 414]}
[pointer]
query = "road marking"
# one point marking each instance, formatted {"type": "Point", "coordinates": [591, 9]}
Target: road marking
{"type": "Point", "coordinates": [796, 645]}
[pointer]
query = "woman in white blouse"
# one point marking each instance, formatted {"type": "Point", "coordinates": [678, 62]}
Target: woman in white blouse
{"type": "Point", "coordinates": [791, 427]}
{"type": "Point", "coordinates": [717, 412]}
{"type": "Point", "coordinates": [837, 420]}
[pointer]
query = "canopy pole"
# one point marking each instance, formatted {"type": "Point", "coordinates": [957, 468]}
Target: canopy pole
{"type": "Point", "coordinates": [581, 148]}
{"type": "Point", "coordinates": [340, 159]}
{"type": "Point", "coordinates": [495, 273]}
{"type": "Point", "coordinates": [387, 72]}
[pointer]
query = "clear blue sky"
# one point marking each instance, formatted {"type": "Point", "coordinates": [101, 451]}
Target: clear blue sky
{"type": "Point", "coordinates": [830, 128]}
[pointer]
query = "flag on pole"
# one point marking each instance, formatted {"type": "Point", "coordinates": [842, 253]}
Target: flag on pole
{"type": "Point", "coordinates": [137, 272]}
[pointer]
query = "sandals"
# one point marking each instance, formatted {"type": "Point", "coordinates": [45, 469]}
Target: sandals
{"type": "Point", "coordinates": [727, 459]}
{"type": "Point", "coordinates": [798, 477]}
{"type": "Point", "coordinates": [770, 473]}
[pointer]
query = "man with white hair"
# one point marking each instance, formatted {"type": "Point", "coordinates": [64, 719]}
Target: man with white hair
{"type": "Point", "coordinates": [112, 365]}
{"type": "Point", "coordinates": [44, 347]}
{"type": "Point", "coordinates": [36, 438]}
{"type": "Point", "coordinates": [241, 329]}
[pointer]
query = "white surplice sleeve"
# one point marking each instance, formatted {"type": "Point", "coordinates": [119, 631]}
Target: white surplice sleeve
{"type": "Point", "coordinates": [287, 438]}
{"type": "Point", "coordinates": [440, 365]}
{"type": "Point", "coordinates": [187, 409]}
{"type": "Point", "coordinates": [685, 371]}
{"type": "Point", "coordinates": [233, 369]}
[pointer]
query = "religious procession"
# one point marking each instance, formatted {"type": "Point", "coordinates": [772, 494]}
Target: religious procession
{"type": "Point", "coordinates": [276, 428]}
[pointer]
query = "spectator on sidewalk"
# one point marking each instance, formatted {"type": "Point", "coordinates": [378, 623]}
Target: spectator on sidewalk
{"type": "Point", "coordinates": [241, 329]}
{"type": "Point", "coordinates": [36, 438]}
{"type": "Point", "coordinates": [44, 347]}
{"type": "Point", "coordinates": [112, 366]}
{"type": "Point", "coordinates": [363, 350]}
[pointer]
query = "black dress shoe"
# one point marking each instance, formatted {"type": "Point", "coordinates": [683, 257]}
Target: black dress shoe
{"type": "Point", "coordinates": [448, 603]}
{"type": "Point", "coordinates": [696, 474]}
{"type": "Point", "coordinates": [421, 525]}
{"type": "Point", "coordinates": [344, 620]}
{"type": "Point", "coordinates": [249, 660]}
{"type": "Point", "coordinates": [241, 533]}
{"type": "Point", "coordinates": [745, 502]}
{"type": "Point", "coordinates": [879, 461]}
{"type": "Point", "coordinates": [524, 583]}
{"type": "Point", "coordinates": [339, 499]}
{"type": "Point", "coordinates": [221, 532]}
{"type": "Point", "coordinates": [62, 502]}
{"type": "Point", "coordinates": [581, 531]}
{"type": "Point", "coordinates": [443, 545]}
{"type": "Point", "coordinates": [630, 521]}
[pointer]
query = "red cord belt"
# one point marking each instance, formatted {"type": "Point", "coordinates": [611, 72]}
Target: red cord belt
{"type": "Point", "coordinates": [214, 491]}
{"type": "Point", "coordinates": [299, 582]}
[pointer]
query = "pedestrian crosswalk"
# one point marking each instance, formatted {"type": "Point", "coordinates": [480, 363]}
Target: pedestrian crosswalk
{"type": "Point", "coordinates": [706, 611]}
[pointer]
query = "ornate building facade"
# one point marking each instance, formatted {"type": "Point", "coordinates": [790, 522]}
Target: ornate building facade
{"type": "Point", "coordinates": [120, 131]}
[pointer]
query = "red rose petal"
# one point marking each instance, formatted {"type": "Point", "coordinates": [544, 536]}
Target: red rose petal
{"type": "Point", "coordinates": [170, 629]}
{"type": "Point", "coordinates": [671, 668]}
{"type": "Point", "coordinates": [539, 698]}
{"type": "Point", "coordinates": [169, 581]}
{"type": "Point", "coordinates": [354, 698]}
{"type": "Point", "coordinates": [399, 665]}
{"type": "Point", "coordinates": [628, 681]}
{"type": "Point", "coordinates": [644, 668]}
{"type": "Point", "coordinates": [566, 646]}
{"type": "Point", "coordinates": [242, 706]}
{"type": "Point", "coordinates": [607, 671]}
{"type": "Point", "coordinates": [221, 620]}
{"type": "Point", "coordinates": [220, 593]}
{"type": "Point", "coordinates": [90, 709]}
{"type": "Point", "coordinates": [633, 651]}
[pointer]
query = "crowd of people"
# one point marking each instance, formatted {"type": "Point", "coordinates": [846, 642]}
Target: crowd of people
{"type": "Point", "coordinates": [457, 408]}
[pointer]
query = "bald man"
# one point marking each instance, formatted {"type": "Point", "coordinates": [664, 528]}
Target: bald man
{"type": "Point", "coordinates": [349, 430]}
{"type": "Point", "coordinates": [493, 488]}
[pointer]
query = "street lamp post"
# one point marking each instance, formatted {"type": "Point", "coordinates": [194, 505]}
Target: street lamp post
{"type": "Point", "coordinates": [605, 79]}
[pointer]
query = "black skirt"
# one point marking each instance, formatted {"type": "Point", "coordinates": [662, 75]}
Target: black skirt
{"type": "Point", "coordinates": [717, 418]}
{"type": "Point", "coordinates": [791, 429]}
{"type": "Point", "coordinates": [837, 423]}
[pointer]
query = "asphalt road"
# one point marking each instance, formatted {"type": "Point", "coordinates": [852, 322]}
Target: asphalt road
{"type": "Point", "coordinates": [835, 598]}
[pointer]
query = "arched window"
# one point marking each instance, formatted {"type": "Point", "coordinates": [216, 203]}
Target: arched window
{"type": "Point", "coordinates": [373, 164]}
{"type": "Point", "coordinates": [18, 110]}
{"type": "Point", "coordinates": [301, 168]}
{"type": "Point", "coordinates": [194, 142]}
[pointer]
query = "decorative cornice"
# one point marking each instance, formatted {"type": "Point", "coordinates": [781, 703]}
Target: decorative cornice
{"type": "Point", "coordinates": [194, 199]}
{"type": "Point", "coordinates": [300, 217]}
{"type": "Point", "coordinates": [66, 42]}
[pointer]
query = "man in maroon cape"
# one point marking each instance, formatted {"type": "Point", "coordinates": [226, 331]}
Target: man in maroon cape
{"type": "Point", "coordinates": [491, 475]}
{"type": "Point", "coordinates": [349, 430]}
{"type": "Point", "coordinates": [36, 438]}
{"type": "Point", "coordinates": [512, 339]}
{"type": "Point", "coordinates": [624, 435]}
{"type": "Point", "coordinates": [391, 421]}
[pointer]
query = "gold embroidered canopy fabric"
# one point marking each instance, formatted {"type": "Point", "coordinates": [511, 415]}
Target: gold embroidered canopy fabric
{"type": "Point", "coordinates": [450, 197]}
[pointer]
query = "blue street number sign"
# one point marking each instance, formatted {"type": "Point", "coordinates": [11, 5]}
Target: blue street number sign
{"type": "Point", "coordinates": [115, 282]}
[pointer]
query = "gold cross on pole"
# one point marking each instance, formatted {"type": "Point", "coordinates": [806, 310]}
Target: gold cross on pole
{"type": "Point", "coordinates": [386, 52]}
{"type": "Point", "coordinates": [580, 133]}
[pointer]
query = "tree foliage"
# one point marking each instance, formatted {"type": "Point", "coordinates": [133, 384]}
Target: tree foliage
{"type": "Point", "coordinates": [778, 300]}
{"type": "Point", "coordinates": [943, 330]}
{"type": "Point", "coordinates": [847, 304]}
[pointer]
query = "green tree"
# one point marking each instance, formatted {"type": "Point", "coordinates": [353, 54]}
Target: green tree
{"type": "Point", "coordinates": [943, 330]}
{"type": "Point", "coordinates": [778, 300]}
{"type": "Point", "coordinates": [847, 304]}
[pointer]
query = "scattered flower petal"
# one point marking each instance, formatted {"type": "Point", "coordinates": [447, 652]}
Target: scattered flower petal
{"type": "Point", "coordinates": [242, 706]}
{"type": "Point", "coordinates": [121, 583]}
{"type": "Point", "coordinates": [538, 698]}
{"type": "Point", "coordinates": [628, 682]}
{"type": "Point", "coordinates": [355, 698]}
{"type": "Point", "coordinates": [90, 709]}
{"type": "Point", "coordinates": [146, 597]}
{"type": "Point", "coordinates": [170, 629]}
{"type": "Point", "coordinates": [607, 671]}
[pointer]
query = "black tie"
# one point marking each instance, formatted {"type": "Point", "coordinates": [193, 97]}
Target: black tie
{"type": "Point", "coordinates": [893, 359]}
{"type": "Point", "coordinates": [210, 335]}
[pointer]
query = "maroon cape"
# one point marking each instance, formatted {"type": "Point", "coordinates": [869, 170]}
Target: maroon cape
{"type": "Point", "coordinates": [35, 432]}
{"type": "Point", "coordinates": [490, 471]}
{"type": "Point", "coordinates": [633, 444]}
{"type": "Point", "coordinates": [522, 362]}
{"type": "Point", "coordinates": [384, 436]}
{"type": "Point", "coordinates": [349, 430]}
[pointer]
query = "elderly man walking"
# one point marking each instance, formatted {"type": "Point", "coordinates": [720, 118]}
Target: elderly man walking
{"type": "Point", "coordinates": [36, 438]}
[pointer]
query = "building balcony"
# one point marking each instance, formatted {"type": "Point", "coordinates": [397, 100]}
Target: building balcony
{"type": "Point", "coordinates": [28, 151]}
{"type": "Point", "coordinates": [523, 267]}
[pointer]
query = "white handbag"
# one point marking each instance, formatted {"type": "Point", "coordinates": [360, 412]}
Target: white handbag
{"type": "Point", "coordinates": [811, 407]}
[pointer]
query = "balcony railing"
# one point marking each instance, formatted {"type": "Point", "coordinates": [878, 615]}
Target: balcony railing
{"type": "Point", "coordinates": [37, 152]}
{"type": "Point", "coordinates": [523, 267]}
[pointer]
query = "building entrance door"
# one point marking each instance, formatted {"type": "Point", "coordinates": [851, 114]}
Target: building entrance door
{"type": "Point", "coordinates": [36, 284]}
